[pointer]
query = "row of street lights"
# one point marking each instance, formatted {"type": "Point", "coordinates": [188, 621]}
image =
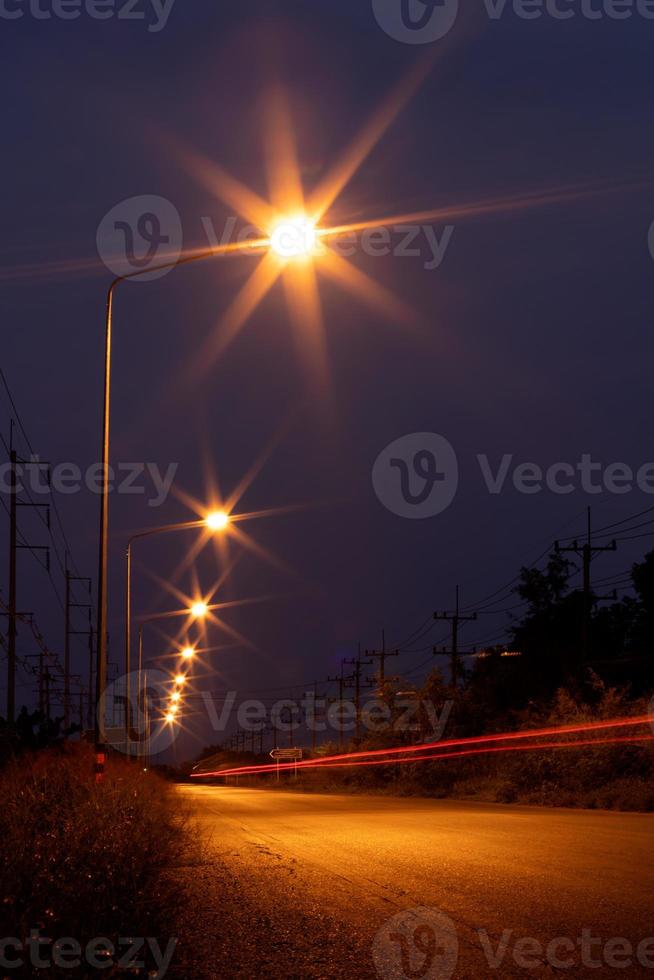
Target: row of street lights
{"type": "Point", "coordinates": [215, 521]}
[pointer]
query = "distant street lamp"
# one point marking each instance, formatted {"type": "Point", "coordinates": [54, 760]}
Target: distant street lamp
{"type": "Point", "coordinates": [187, 654]}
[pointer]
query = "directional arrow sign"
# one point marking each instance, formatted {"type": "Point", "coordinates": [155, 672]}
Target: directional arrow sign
{"type": "Point", "coordinates": [286, 755]}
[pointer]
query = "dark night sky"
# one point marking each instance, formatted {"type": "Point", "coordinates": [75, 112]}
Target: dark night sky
{"type": "Point", "coordinates": [538, 342]}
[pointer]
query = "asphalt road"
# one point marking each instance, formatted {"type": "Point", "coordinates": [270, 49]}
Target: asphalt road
{"type": "Point", "coordinates": [296, 885]}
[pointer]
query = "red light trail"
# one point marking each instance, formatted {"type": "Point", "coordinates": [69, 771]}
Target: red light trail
{"type": "Point", "coordinates": [621, 740]}
{"type": "Point", "coordinates": [411, 753]}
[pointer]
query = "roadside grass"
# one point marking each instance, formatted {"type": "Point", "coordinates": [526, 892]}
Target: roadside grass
{"type": "Point", "coordinates": [83, 860]}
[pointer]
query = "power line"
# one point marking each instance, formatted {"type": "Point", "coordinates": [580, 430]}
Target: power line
{"type": "Point", "coordinates": [635, 537]}
{"type": "Point", "coordinates": [625, 520]}
{"type": "Point", "coordinates": [415, 635]}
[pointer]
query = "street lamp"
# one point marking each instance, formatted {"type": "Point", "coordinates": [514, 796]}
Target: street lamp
{"type": "Point", "coordinates": [294, 238]}
{"type": "Point", "coordinates": [199, 610]}
{"type": "Point", "coordinates": [217, 520]}
{"type": "Point", "coordinates": [214, 521]}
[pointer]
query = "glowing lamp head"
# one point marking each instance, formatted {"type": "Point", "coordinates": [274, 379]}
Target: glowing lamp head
{"type": "Point", "coordinates": [217, 521]}
{"type": "Point", "coordinates": [294, 238]}
{"type": "Point", "coordinates": [180, 679]}
{"type": "Point", "coordinates": [187, 653]}
{"type": "Point", "coordinates": [175, 696]}
{"type": "Point", "coordinates": [199, 610]}
{"type": "Point", "coordinates": [170, 717]}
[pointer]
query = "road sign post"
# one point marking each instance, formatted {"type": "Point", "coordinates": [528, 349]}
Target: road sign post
{"type": "Point", "coordinates": [286, 755]}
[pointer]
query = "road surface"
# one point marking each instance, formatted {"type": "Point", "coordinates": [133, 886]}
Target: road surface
{"type": "Point", "coordinates": [350, 887]}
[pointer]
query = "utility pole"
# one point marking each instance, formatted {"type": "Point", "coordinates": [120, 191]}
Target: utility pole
{"type": "Point", "coordinates": [587, 551]}
{"type": "Point", "coordinates": [291, 719]}
{"type": "Point", "coordinates": [70, 605]}
{"type": "Point", "coordinates": [313, 726]}
{"type": "Point", "coordinates": [147, 721]}
{"type": "Point", "coordinates": [382, 655]}
{"type": "Point", "coordinates": [342, 681]}
{"type": "Point", "coordinates": [456, 618]}
{"type": "Point", "coordinates": [41, 688]}
{"type": "Point", "coordinates": [13, 551]}
{"type": "Point", "coordinates": [67, 650]}
{"type": "Point", "coordinates": [11, 628]}
{"type": "Point", "coordinates": [358, 663]}
{"type": "Point", "coordinates": [48, 677]}
{"type": "Point", "coordinates": [89, 717]}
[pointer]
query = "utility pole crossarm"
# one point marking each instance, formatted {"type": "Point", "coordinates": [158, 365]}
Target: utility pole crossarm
{"type": "Point", "coordinates": [455, 618]}
{"type": "Point", "coordinates": [586, 552]}
{"type": "Point", "coordinates": [382, 655]}
{"type": "Point", "coordinates": [357, 663]}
